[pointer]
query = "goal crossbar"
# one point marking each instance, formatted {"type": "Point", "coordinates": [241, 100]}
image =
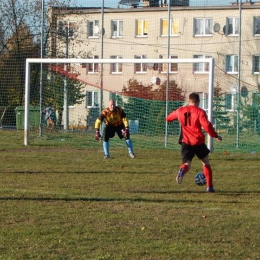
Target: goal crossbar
{"type": "Point", "coordinates": [30, 61]}
{"type": "Point", "coordinates": [81, 60]}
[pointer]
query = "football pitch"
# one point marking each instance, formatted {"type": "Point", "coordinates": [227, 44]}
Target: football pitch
{"type": "Point", "coordinates": [65, 202]}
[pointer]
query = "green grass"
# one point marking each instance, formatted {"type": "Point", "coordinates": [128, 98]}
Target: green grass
{"type": "Point", "coordinates": [59, 201]}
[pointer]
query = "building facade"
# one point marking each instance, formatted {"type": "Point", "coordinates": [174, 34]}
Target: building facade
{"type": "Point", "coordinates": [195, 32]}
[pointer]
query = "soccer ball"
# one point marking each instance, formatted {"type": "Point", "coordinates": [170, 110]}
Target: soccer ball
{"type": "Point", "coordinates": [200, 179]}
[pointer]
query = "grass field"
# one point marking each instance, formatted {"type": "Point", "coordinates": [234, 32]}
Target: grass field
{"type": "Point", "coordinates": [62, 202]}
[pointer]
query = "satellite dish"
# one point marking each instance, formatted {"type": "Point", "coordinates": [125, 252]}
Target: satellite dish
{"type": "Point", "coordinates": [244, 92]}
{"type": "Point", "coordinates": [158, 81]}
{"type": "Point", "coordinates": [153, 80]}
{"type": "Point", "coordinates": [149, 66]}
{"type": "Point", "coordinates": [96, 29]}
{"type": "Point", "coordinates": [216, 27]}
{"type": "Point", "coordinates": [233, 89]}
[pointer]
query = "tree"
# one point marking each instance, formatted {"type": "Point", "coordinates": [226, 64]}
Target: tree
{"type": "Point", "coordinates": [2, 41]}
{"type": "Point", "coordinates": [221, 117]}
{"type": "Point", "coordinates": [20, 34]}
{"type": "Point", "coordinates": [138, 90]}
{"type": "Point", "coordinates": [250, 117]}
{"type": "Point", "coordinates": [147, 105]}
{"type": "Point", "coordinates": [17, 48]}
{"type": "Point", "coordinates": [17, 42]}
{"type": "Point", "coordinates": [53, 92]}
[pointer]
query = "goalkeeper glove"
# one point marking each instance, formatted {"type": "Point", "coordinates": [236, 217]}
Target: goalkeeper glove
{"type": "Point", "coordinates": [97, 135]}
{"type": "Point", "coordinates": [126, 133]}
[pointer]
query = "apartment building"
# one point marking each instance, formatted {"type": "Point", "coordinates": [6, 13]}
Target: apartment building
{"type": "Point", "coordinates": [195, 32]}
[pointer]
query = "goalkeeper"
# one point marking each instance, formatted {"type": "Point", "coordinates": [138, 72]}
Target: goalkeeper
{"type": "Point", "coordinates": [115, 121]}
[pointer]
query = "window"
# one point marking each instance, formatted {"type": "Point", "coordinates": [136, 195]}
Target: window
{"type": "Point", "coordinates": [117, 28]}
{"type": "Point", "coordinates": [230, 101]}
{"type": "Point", "coordinates": [203, 26]}
{"type": "Point", "coordinates": [256, 64]}
{"type": "Point", "coordinates": [93, 29]}
{"type": "Point", "coordinates": [232, 26]}
{"type": "Point", "coordinates": [201, 67]}
{"type": "Point", "coordinates": [66, 29]}
{"type": "Point", "coordinates": [163, 67]}
{"type": "Point", "coordinates": [257, 26]}
{"type": "Point", "coordinates": [232, 64]}
{"type": "Point", "coordinates": [92, 67]}
{"type": "Point", "coordinates": [116, 67]}
{"type": "Point", "coordinates": [91, 99]}
{"type": "Point", "coordinates": [141, 28]}
{"type": "Point", "coordinates": [203, 100]}
{"type": "Point", "coordinates": [140, 67]}
{"type": "Point", "coordinates": [174, 27]}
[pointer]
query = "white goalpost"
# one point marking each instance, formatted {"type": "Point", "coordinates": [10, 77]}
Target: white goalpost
{"type": "Point", "coordinates": [145, 74]}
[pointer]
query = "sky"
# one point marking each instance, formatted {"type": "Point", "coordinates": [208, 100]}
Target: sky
{"type": "Point", "coordinates": [114, 3]}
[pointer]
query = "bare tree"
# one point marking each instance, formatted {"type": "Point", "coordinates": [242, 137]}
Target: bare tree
{"type": "Point", "coordinates": [21, 26]}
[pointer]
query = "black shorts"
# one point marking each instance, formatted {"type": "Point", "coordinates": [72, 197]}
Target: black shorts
{"type": "Point", "coordinates": [109, 131]}
{"type": "Point", "coordinates": [189, 151]}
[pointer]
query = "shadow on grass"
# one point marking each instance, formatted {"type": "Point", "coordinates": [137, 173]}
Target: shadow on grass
{"type": "Point", "coordinates": [79, 172]}
{"type": "Point", "coordinates": [100, 199]}
{"type": "Point", "coordinates": [132, 200]}
{"type": "Point", "coordinates": [218, 192]}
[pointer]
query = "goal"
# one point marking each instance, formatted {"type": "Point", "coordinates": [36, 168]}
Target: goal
{"type": "Point", "coordinates": [148, 89]}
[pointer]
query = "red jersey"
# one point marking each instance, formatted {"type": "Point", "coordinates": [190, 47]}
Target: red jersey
{"type": "Point", "coordinates": [192, 119]}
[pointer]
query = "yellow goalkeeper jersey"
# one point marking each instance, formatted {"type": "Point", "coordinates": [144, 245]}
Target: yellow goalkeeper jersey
{"type": "Point", "coordinates": [112, 118]}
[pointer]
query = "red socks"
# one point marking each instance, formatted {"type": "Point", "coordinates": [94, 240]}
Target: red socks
{"type": "Point", "coordinates": [185, 168]}
{"type": "Point", "coordinates": [208, 174]}
{"type": "Point", "coordinates": [206, 170]}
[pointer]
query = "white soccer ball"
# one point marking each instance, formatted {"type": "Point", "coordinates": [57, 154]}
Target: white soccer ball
{"type": "Point", "coordinates": [200, 179]}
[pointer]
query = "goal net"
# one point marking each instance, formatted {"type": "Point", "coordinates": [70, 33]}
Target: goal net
{"type": "Point", "coordinates": [63, 97]}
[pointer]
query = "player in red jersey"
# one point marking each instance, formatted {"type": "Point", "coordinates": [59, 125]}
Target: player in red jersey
{"type": "Point", "coordinates": [115, 121]}
{"type": "Point", "coordinates": [192, 120]}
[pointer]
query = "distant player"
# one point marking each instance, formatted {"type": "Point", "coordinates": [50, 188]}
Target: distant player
{"type": "Point", "coordinates": [49, 117]}
{"type": "Point", "coordinates": [192, 119]}
{"type": "Point", "coordinates": [115, 121]}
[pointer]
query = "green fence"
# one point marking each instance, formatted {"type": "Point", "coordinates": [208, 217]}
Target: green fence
{"type": "Point", "coordinates": [237, 123]}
